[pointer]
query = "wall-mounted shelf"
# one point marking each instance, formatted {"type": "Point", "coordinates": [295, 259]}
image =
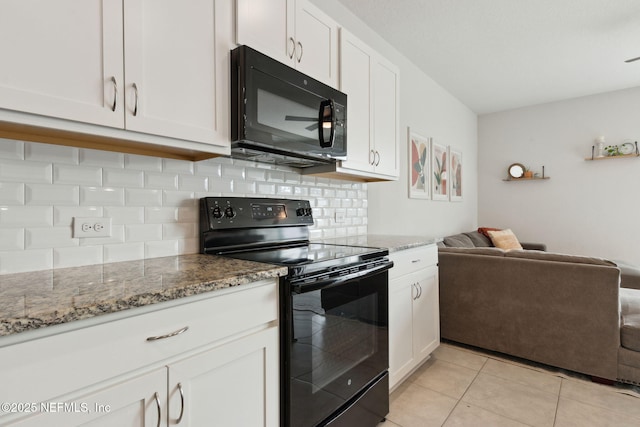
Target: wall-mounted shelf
{"type": "Point", "coordinates": [527, 179]}
{"type": "Point", "coordinates": [621, 156]}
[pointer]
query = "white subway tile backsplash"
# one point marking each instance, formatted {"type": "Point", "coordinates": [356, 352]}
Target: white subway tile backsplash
{"type": "Point", "coordinates": [101, 196]}
{"type": "Point", "coordinates": [128, 178]}
{"type": "Point", "coordinates": [11, 239]}
{"type": "Point", "coordinates": [77, 256]}
{"type": "Point", "coordinates": [188, 246]}
{"type": "Point", "coordinates": [147, 163]}
{"type": "Point", "coordinates": [109, 159]}
{"type": "Point", "coordinates": [142, 197]}
{"type": "Point", "coordinates": [178, 166]}
{"type": "Point", "coordinates": [23, 261]}
{"type": "Point", "coordinates": [10, 149]}
{"type": "Point", "coordinates": [74, 175]}
{"type": "Point", "coordinates": [160, 249]}
{"type": "Point", "coordinates": [43, 195]}
{"type": "Point", "coordinates": [179, 231]}
{"type": "Point", "coordinates": [51, 153]}
{"type": "Point", "coordinates": [153, 203]}
{"type": "Point", "coordinates": [193, 183]}
{"type": "Point", "coordinates": [23, 171]}
{"type": "Point", "coordinates": [142, 232]}
{"type": "Point", "coordinates": [124, 252]}
{"type": "Point", "coordinates": [178, 198]}
{"type": "Point", "coordinates": [63, 215]}
{"type": "Point", "coordinates": [11, 193]}
{"type": "Point", "coordinates": [26, 216]}
{"type": "Point", "coordinates": [49, 237]}
{"type": "Point", "coordinates": [124, 215]}
{"type": "Point", "coordinates": [160, 215]}
{"type": "Point", "coordinates": [161, 180]}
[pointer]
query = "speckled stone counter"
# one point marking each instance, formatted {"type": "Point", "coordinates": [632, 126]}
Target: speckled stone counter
{"type": "Point", "coordinates": [35, 300]}
{"type": "Point", "coordinates": [391, 242]}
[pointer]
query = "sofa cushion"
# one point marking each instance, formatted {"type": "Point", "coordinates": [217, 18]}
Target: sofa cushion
{"type": "Point", "coordinates": [473, 251]}
{"type": "Point", "coordinates": [479, 240]}
{"type": "Point", "coordinates": [552, 256]}
{"type": "Point", "coordinates": [458, 241]}
{"type": "Point", "coordinates": [504, 239]}
{"type": "Point", "coordinates": [630, 315]}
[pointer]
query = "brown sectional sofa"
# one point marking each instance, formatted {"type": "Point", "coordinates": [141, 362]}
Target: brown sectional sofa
{"type": "Point", "coordinates": [561, 310]}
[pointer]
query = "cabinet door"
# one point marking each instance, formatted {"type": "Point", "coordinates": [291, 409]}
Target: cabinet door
{"type": "Point", "coordinates": [235, 384]}
{"type": "Point", "coordinates": [129, 403]}
{"type": "Point", "coordinates": [426, 315]}
{"type": "Point", "coordinates": [63, 59]}
{"type": "Point", "coordinates": [267, 26]}
{"type": "Point", "coordinates": [355, 81]}
{"type": "Point", "coordinates": [316, 43]}
{"type": "Point", "coordinates": [401, 294]}
{"type": "Point", "coordinates": [172, 65]}
{"type": "Point", "coordinates": [385, 116]}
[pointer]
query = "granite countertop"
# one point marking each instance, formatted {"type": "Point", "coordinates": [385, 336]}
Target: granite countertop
{"type": "Point", "coordinates": [35, 300]}
{"type": "Point", "coordinates": [391, 242]}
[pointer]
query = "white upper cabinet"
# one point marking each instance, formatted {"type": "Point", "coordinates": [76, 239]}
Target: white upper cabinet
{"type": "Point", "coordinates": [63, 59]}
{"type": "Point", "coordinates": [372, 86]}
{"type": "Point", "coordinates": [294, 32]}
{"type": "Point", "coordinates": [154, 72]}
{"type": "Point", "coordinates": [171, 69]}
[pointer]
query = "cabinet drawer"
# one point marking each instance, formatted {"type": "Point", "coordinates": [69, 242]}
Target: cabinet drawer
{"type": "Point", "coordinates": [410, 260]}
{"type": "Point", "coordinates": [76, 359]}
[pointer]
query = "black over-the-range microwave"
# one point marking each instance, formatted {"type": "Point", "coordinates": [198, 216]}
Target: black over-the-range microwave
{"type": "Point", "coordinates": [280, 115]}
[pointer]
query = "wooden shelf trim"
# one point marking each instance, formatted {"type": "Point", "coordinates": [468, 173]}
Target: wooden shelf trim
{"type": "Point", "coordinates": [526, 179]}
{"type": "Point", "coordinates": [621, 156]}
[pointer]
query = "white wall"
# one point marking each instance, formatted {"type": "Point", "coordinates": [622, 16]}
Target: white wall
{"type": "Point", "coordinates": [586, 207]}
{"type": "Point", "coordinates": [432, 112]}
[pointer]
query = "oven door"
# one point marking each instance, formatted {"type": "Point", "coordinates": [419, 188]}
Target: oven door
{"type": "Point", "coordinates": [336, 342]}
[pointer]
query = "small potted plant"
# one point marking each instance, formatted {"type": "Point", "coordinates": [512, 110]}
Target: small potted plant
{"type": "Point", "coordinates": [528, 173]}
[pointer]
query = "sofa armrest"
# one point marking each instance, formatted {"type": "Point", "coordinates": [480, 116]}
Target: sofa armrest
{"type": "Point", "coordinates": [534, 246]}
{"type": "Point", "coordinates": [629, 275]}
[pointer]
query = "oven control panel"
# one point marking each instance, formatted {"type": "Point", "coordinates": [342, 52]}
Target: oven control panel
{"type": "Point", "coordinates": [241, 212]}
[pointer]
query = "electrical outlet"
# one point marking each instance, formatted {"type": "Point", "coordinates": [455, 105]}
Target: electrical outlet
{"type": "Point", "coordinates": [340, 216]}
{"type": "Point", "coordinates": [91, 227]}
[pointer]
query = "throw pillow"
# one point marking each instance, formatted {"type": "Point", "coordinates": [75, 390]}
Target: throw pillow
{"type": "Point", "coordinates": [504, 239]}
{"type": "Point", "coordinates": [486, 230]}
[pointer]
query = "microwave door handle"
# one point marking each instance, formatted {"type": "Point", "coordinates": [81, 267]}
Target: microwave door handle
{"type": "Point", "coordinates": [323, 120]}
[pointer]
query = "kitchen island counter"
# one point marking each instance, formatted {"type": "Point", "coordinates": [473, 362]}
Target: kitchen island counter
{"type": "Point", "coordinates": [35, 300]}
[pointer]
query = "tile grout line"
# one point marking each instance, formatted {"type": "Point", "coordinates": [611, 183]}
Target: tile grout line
{"type": "Point", "coordinates": [555, 415]}
{"type": "Point", "coordinates": [465, 392]}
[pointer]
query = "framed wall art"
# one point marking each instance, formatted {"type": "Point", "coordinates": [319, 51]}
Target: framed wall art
{"type": "Point", "coordinates": [455, 175]}
{"type": "Point", "coordinates": [419, 166]}
{"type": "Point", "coordinates": [439, 171]}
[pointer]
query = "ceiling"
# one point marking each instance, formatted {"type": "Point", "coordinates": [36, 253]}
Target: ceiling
{"type": "Point", "coordinates": [495, 55]}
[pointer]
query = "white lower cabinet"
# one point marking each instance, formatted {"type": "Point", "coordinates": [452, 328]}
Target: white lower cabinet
{"type": "Point", "coordinates": [414, 328]}
{"type": "Point", "coordinates": [223, 370]}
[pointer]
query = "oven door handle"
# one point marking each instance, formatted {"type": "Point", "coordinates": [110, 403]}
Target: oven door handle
{"type": "Point", "coordinates": [330, 282]}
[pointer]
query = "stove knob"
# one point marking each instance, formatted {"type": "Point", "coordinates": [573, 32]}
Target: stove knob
{"type": "Point", "coordinates": [307, 212]}
{"type": "Point", "coordinates": [300, 211]}
{"type": "Point", "coordinates": [216, 212]}
{"type": "Point", "coordinates": [229, 212]}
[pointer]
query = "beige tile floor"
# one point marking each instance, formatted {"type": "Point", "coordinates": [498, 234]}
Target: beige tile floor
{"type": "Point", "coordinates": [461, 387]}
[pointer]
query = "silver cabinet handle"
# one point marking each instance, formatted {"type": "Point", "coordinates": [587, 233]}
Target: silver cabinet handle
{"type": "Point", "coordinates": [415, 261]}
{"type": "Point", "coordinates": [115, 93]}
{"type": "Point", "coordinates": [293, 47]}
{"type": "Point", "coordinates": [372, 154]}
{"type": "Point", "coordinates": [135, 106]}
{"type": "Point", "coordinates": [420, 290]}
{"type": "Point", "coordinates": [155, 396]}
{"type": "Point", "coordinates": [169, 335]}
{"type": "Point", "coordinates": [413, 285]}
{"type": "Point", "coordinates": [181, 403]}
{"type": "Point", "coordinates": [377, 156]}
{"type": "Point", "coordinates": [301, 51]}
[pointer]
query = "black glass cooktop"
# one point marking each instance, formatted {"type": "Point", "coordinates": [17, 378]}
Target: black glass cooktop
{"type": "Point", "coordinates": [311, 257]}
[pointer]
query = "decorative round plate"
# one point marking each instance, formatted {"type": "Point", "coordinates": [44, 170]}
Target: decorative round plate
{"type": "Point", "coordinates": [626, 148]}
